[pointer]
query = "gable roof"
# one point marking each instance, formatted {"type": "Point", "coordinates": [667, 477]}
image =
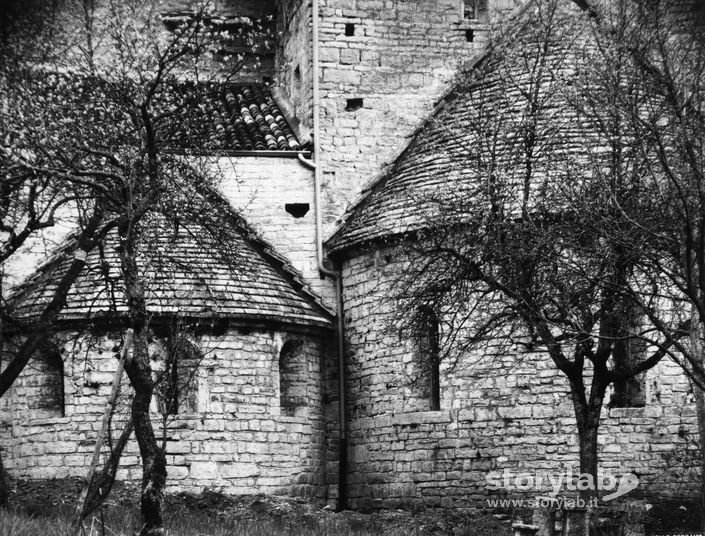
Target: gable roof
{"type": "Point", "coordinates": [193, 270]}
{"type": "Point", "coordinates": [440, 162]}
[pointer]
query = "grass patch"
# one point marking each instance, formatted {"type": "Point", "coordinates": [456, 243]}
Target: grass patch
{"type": "Point", "coordinates": [118, 521]}
{"type": "Point", "coordinates": [46, 508]}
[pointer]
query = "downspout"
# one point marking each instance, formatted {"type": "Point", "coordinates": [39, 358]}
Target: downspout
{"type": "Point", "coordinates": [337, 276]}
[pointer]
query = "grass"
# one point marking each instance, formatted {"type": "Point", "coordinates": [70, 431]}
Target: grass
{"type": "Point", "coordinates": [117, 521]}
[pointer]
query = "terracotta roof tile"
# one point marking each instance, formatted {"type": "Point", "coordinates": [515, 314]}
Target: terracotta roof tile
{"type": "Point", "coordinates": [189, 116]}
{"type": "Point", "coordinates": [241, 118]}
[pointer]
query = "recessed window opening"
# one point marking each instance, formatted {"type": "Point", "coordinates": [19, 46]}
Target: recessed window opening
{"type": "Point", "coordinates": [349, 29]}
{"type": "Point", "coordinates": [45, 390]}
{"type": "Point", "coordinates": [472, 9]}
{"type": "Point", "coordinates": [177, 391]}
{"type": "Point", "coordinates": [297, 74]}
{"type": "Point", "coordinates": [469, 35]}
{"type": "Point", "coordinates": [353, 105]}
{"type": "Point", "coordinates": [297, 210]}
{"type": "Point", "coordinates": [429, 335]}
{"type": "Point", "coordinates": [629, 352]}
{"type": "Point", "coordinates": [292, 377]}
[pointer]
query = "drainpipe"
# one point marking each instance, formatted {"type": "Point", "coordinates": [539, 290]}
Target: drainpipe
{"type": "Point", "coordinates": [337, 276]}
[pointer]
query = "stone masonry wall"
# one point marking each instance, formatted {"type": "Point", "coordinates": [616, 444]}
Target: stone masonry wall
{"type": "Point", "coordinates": [238, 439]}
{"type": "Point", "coordinates": [399, 60]}
{"type": "Point", "coordinates": [293, 64]}
{"type": "Point", "coordinates": [510, 411]}
{"type": "Point", "coordinates": [260, 188]}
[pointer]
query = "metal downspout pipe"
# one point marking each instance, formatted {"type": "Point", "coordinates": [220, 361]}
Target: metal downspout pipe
{"type": "Point", "coordinates": [316, 166]}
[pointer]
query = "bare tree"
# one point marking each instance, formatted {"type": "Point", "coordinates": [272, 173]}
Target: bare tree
{"type": "Point", "coordinates": [106, 131]}
{"type": "Point", "coordinates": [647, 98]}
{"type": "Point", "coordinates": [509, 249]}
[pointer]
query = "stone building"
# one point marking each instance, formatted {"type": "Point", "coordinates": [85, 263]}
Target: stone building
{"type": "Point", "coordinates": [261, 412]}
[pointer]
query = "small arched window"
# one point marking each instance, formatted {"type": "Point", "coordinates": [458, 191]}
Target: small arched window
{"type": "Point", "coordinates": [292, 377]}
{"type": "Point", "coordinates": [45, 383]}
{"type": "Point", "coordinates": [177, 392]}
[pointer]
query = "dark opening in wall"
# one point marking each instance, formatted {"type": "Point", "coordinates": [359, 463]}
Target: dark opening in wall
{"type": "Point", "coordinates": [297, 74]}
{"type": "Point", "coordinates": [469, 35]}
{"type": "Point", "coordinates": [353, 104]}
{"type": "Point", "coordinates": [44, 391]}
{"type": "Point", "coordinates": [428, 381]}
{"type": "Point", "coordinates": [297, 210]}
{"type": "Point", "coordinates": [292, 377]}
{"type": "Point", "coordinates": [349, 29]}
{"type": "Point", "coordinates": [177, 391]}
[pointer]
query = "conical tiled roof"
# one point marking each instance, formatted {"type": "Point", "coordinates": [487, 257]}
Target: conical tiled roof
{"type": "Point", "coordinates": [189, 270]}
{"type": "Point", "coordinates": [474, 130]}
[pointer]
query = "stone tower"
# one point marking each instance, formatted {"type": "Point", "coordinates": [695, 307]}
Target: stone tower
{"type": "Point", "coordinates": [382, 67]}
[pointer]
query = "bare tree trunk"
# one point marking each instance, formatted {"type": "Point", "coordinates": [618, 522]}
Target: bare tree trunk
{"type": "Point", "coordinates": [697, 350]}
{"type": "Point", "coordinates": [587, 416]}
{"type": "Point", "coordinates": [4, 485]}
{"type": "Point", "coordinates": [140, 373]}
{"type": "Point", "coordinates": [700, 412]}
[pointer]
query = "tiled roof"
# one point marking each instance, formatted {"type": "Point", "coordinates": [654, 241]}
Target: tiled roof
{"type": "Point", "coordinates": [439, 166]}
{"type": "Point", "coordinates": [191, 270]}
{"type": "Point", "coordinates": [189, 116]}
{"type": "Point", "coordinates": [231, 117]}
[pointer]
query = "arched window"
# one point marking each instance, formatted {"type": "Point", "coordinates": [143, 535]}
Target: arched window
{"type": "Point", "coordinates": [628, 352]}
{"type": "Point", "coordinates": [44, 383]}
{"type": "Point", "coordinates": [429, 357]}
{"type": "Point", "coordinates": [177, 391]}
{"type": "Point", "coordinates": [292, 377]}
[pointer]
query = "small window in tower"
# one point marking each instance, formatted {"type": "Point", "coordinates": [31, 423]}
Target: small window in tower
{"type": "Point", "coordinates": [349, 29]}
{"type": "Point", "coordinates": [297, 210]}
{"type": "Point", "coordinates": [469, 35]}
{"type": "Point", "coordinates": [297, 75]}
{"type": "Point", "coordinates": [472, 9]}
{"type": "Point", "coordinates": [353, 105]}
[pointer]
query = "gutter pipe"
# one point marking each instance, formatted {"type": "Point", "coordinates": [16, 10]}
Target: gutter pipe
{"type": "Point", "coordinates": [316, 167]}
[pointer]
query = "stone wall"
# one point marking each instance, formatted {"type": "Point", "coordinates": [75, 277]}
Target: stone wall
{"type": "Point", "coordinates": [501, 409]}
{"type": "Point", "coordinates": [236, 439]}
{"type": "Point", "coordinates": [260, 188]}
{"type": "Point", "coordinates": [294, 60]}
{"type": "Point", "coordinates": [398, 60]}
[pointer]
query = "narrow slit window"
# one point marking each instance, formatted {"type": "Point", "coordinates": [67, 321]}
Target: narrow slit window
{"type": "Point", "coordinates": [430, 359]}
{"type": "Point", "coordinates": [292, 377]}
{"type": "Point", "coordinates": [349, 29]}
